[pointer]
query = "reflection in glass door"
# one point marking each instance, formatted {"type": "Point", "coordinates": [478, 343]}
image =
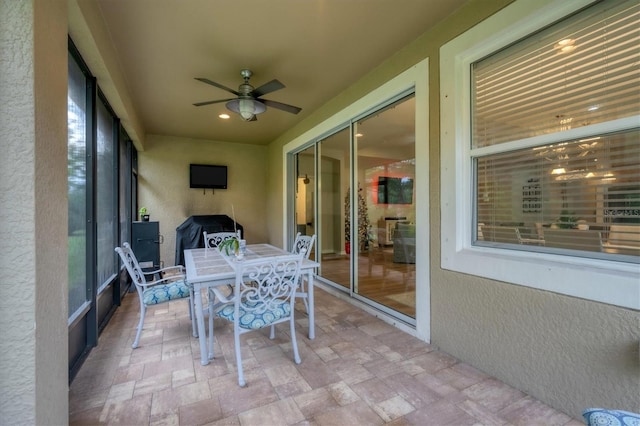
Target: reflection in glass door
{"type": "Point", "coordinates": [385, 215]}
{"type": "Point", "coordinates": [305, 188]}
{"type": "Point", "coordinates": [333, 172]}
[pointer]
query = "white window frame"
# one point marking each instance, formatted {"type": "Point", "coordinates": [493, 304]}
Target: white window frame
{"type": "Point", "coordinates": [612, 282]}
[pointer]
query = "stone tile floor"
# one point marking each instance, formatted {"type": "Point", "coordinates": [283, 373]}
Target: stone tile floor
{"type": "Point", "coordinates": [357, 371]}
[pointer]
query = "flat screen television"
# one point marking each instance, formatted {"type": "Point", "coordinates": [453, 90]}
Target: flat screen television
{"type": "Point", "coordinates": [395, 190]}
{"type": "Point", "coordinates": [207, 176]}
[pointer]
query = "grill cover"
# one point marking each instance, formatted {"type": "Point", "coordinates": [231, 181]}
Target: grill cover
{"type": "Point", "coordinates": [189, 233]}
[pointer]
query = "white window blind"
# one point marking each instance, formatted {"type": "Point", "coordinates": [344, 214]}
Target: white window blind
{"type": "Point", "coordinates": [573, 194]}
{"type": "Point", "coordinates": [581, 71]}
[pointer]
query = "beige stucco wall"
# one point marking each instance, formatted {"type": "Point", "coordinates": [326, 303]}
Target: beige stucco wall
{"type": "Point", "coordinates": [33, 181]}
{"type": "Point", "coordinates": [568, 352]}
{"type": "Point", "coordinates": [164, 186]}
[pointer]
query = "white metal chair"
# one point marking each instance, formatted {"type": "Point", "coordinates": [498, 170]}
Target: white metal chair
{"type": "Point", "coordinates": [303, 243]}
{"type": "Point", "coordinates": [264, 295]}
{"type": "Point", "coordinates": [162, 290]}
{"type": "Point", "coordinates": [214, 239]}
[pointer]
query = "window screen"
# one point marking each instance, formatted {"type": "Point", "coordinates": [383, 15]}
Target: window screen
{"type": "Point", "coordinates": [77, 187]}
{"type": "Point", "coordinates": [106, 200]}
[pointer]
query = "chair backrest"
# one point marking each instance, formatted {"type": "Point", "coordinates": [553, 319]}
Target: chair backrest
{"type": "Point", "coordinates": [303, 242]}
{"type": "Point", "coordinates": [573, 239]}
{"type": "Point", "coordinates": [405, 230]}
{"type": "Point", "coordinates": [501, 234]}
{"type": "Point", "coordinates": [131, 264]}
{"type": "Point", "coordinates": [214, 239]}
{"type": "Point", "coordinates": [624, 235]}
{"type": "Point", "coordinates": [266, 284]}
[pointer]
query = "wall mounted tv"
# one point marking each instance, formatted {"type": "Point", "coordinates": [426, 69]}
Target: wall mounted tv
{"type": "Point", "coordinates": [395, 190]}
{"type": "Point", "coordinates": [207, 176]}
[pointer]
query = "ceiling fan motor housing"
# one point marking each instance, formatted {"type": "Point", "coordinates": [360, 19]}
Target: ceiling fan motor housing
{"type": "Point", "coordinates": [245, 89]}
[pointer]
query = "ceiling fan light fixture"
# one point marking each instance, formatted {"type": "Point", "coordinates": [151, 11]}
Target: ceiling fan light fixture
{"type": "Point", "coordinates": [248, 103]}
{"type": "Point", "coordinates": [247, 108]}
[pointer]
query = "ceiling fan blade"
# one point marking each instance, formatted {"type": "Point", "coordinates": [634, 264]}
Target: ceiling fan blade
{"type": "Point", "coordinates": [218, 85]}
{"type": "Point", "coordinates": [212, 102]}
{"type": "Point", "coordinates": [269, 87]}
{"type": "Point", "coordinates": [279, 105]}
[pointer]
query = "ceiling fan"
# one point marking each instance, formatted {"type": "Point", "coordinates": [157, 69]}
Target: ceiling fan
{"type": "Point", "coordinates": [248, 102]}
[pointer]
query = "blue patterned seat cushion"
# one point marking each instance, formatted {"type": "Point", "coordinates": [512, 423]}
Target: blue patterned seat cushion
{"type": "Point", "coordinates": [603, 417]}
{"type": "Point", "coordinates": [254, 320]}
{"type": "Point", "coordinates": [164, 293]}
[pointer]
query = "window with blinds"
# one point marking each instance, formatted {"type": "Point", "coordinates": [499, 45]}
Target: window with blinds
{"type": "Point", "coordinates": [566, 193]}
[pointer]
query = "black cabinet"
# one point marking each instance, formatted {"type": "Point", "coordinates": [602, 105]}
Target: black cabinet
{"type": "Point", "coordinates": [145, 242]}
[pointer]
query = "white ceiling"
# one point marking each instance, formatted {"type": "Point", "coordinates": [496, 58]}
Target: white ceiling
{"type": "Point", "coordinates": [316, 48]}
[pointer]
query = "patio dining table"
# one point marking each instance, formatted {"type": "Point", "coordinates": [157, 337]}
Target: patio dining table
{"type": "Point", "coordinates": [209, 267]}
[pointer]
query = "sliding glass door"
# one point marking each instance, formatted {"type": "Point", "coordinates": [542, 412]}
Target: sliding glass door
{"type": "Point", "coordinates": [366, 236]}
{"type": "Point", "coordinates": [385, 215]}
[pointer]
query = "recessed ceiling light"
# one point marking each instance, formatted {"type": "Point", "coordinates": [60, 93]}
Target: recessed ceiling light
{"type": "Point", "coordinates": [593, 108]}
{"type": "Point", "coordinates": [359, 135]}
{"type": "Point", "coordinates": [224, 116]}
